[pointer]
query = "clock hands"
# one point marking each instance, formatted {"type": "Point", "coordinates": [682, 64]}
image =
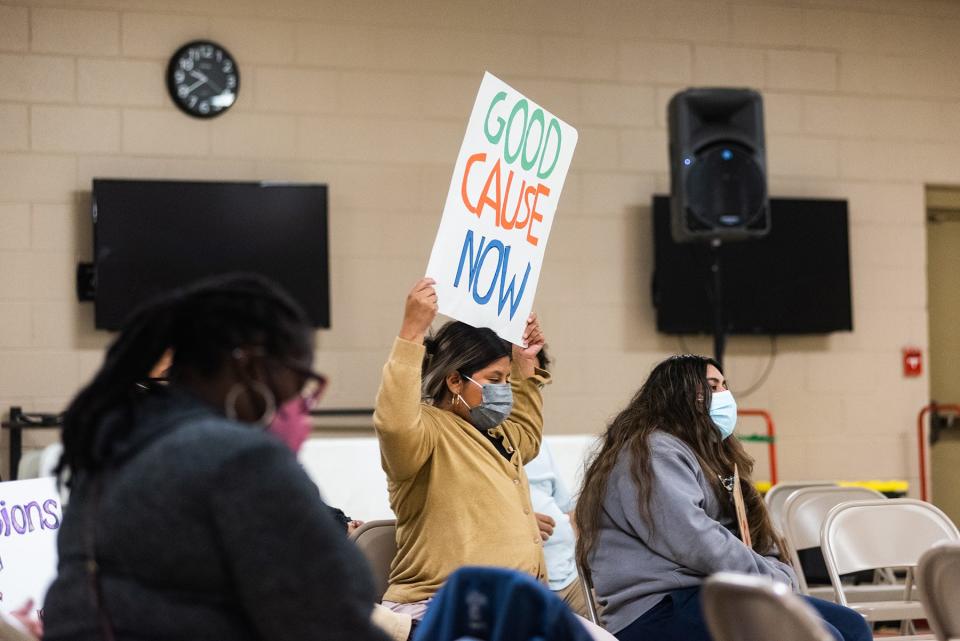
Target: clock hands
{"type": "Point", "coordinates": [201, 79]}
{"type": "Point", "coordinates": [215, 86]}
{"type": "Point", "coordinates": [194, 85]}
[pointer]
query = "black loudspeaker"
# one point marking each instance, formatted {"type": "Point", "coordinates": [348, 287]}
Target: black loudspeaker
{"type": "Point", "coordinates": [718, 165]}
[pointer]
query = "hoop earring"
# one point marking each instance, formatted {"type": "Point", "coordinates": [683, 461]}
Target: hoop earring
{"type": "Point", "coordinates": [230, 402]}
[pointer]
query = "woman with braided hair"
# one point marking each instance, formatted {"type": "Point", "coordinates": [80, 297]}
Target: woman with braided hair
{"type": "Point", "coordinates": [186, 520]}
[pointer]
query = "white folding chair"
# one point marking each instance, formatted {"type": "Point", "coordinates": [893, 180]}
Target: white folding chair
{"type": "Point", "coordinates": [803, 514]}
{"type": "Point", "coordinates": [938, 576]}
{"type": "Point", "coordinates": [882, 533]}
{"type": "Point", "coordinates": [777, 496]}
{"type": "Point", "coordinates": [596, 632]}
{"type": "Point", "coordinates": [742, 607]}
{"type": "Point", "coordinates": [39, 463]}
{"type": "Point", "coordinates": [377, 541]}
{"type": "Point", "coordinates": [29, 467]}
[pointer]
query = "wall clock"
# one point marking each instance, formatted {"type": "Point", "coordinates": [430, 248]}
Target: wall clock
{"type": "Point", "coordinates": [203, 79]}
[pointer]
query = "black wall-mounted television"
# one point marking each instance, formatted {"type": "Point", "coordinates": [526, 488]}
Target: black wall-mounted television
{"type": "Point", "coordinates": [796, 280]}
{"type": "Point", "coordinates": [151, 236]}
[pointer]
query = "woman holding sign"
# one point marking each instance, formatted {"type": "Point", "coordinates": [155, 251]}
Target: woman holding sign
{"type": "Point", "coordinates": [656, 515]}
{"type": "Point", "coordinates": [455, 461]}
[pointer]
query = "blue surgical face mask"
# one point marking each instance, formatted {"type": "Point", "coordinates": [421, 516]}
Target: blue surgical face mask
{"type": "Point", "coordinates": [723, 411]}
{"type": "Point", "coordinates": [495, 405]}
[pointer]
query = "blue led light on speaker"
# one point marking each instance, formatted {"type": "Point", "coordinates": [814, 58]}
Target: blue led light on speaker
{"type": "Point", "coordinates": [687, 161]}
{"type": "Point", "coordinates": [726, 154]}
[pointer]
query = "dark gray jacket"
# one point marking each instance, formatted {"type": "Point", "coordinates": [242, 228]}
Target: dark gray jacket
{"type": "Point", "coordinates": [206, 529]}
{"type": "Point", "coordinates": [688, 536]}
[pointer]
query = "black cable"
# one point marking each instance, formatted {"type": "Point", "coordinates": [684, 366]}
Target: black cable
{"type": "Point", "coordinates": [685, 349]}
{"type": "Point", "coordinates": [766, 371]}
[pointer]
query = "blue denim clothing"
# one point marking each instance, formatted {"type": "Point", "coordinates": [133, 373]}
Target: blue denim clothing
{"type": "Point", "coordinates": [679, 617]}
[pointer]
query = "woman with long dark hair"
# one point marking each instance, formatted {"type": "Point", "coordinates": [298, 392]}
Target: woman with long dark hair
{"type": "Point", "coordinates": [656, 514]}
{"type": "Point", "coordinates": [458, 415]}
{"type": "Point", "coordinates": [186, 520]}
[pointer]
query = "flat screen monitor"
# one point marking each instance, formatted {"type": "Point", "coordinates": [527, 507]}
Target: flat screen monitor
{"type": "Point", "coordinates": [151, 236]}
{"type": "Point", "coordinates": [795, 280]}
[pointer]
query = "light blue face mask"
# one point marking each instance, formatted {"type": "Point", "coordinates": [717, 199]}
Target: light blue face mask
{"type": "Point", "coordinates": [495, 405]}
{"type": "Point", "coordinates": [723, 411]}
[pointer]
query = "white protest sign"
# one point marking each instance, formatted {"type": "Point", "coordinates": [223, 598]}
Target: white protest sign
{"type": "Point", "coordinates": [489, 249]}
{"type": "Point", "coordinates": [30, 518]}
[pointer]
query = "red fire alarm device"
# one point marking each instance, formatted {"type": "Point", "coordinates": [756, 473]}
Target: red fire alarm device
{"type": "Point", "coordinates": [912, 361]}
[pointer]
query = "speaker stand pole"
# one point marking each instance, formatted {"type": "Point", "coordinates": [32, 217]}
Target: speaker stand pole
{"type": "Point", "coordinates": [719, 337]}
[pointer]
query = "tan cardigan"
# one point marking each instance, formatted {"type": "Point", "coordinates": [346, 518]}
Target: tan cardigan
{"type": "Point", "coordinates": [458, 501]}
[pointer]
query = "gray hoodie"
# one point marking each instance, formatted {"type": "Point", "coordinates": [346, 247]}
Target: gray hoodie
{"type": "Point", "coordinates": [638, 560]}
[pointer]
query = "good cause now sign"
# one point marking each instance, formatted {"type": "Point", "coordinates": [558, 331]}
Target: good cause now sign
{"type": "Point", "coordinates": [488, 252]}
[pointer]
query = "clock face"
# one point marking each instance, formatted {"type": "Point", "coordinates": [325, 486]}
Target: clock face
{"type": "Point", "coordinates": [203, 79]}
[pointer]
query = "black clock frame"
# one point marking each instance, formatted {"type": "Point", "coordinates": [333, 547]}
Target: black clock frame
{"type": "Point", "coordinates": [172, 85]}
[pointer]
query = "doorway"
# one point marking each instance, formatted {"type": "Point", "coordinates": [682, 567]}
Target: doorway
{"type": "Point", "coordinates": [943, 306]}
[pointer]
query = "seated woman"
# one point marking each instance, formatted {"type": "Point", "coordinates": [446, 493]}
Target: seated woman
{"type": "Point", "coordinates": [186, 520]}
{"type": "Point", "coordinates": [454, 463]}
{"type": "Point", "coordinates": [656, 514]}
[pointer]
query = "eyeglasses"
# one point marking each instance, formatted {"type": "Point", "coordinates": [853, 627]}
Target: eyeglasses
{"type": "Point", "coordinates": [312, 391]}
{"type": "Point", "coordinates": [313, 387]}
{"type": "Point", "coordinates": [153, 382]}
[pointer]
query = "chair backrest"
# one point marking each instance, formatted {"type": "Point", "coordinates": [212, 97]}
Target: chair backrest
{"type": "Point", "coordinates": [29, 466]}
{"type": "Point", "coordinates": [777, 495]}
{"type": "Point", "coordinates": [803, 515]}
{"type": "Point", "coordinates": [586, 582]}
{"type": "Point", "coordinates": [740, 607]}
{"type": "Point", "coordinates": [806, 509]}
{"type": "Point", "coordinates": [938, 576]}
{"type": "Point", "coordinates": [39, 463]}
{"type": "Point", "coordinates": [377, 541]}
{"type": "Point", "coordinates": [883, 533]}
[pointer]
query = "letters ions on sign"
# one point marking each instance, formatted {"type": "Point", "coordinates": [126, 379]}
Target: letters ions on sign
{"type": "Point", "coordinates": [23, 519]}
{"type": "Point", "coordinates": [30, 519]}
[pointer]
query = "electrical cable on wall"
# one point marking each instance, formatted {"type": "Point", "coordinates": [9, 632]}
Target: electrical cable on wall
{"type": "Point", "coordinates": [767, 370]}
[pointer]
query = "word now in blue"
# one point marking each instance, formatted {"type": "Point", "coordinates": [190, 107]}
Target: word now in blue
{"type": "Point", "coordinates": [475, 259]}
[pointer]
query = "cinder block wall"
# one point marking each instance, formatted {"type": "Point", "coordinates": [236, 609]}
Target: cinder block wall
{"type": "Point", "coordinates": [862, 102]}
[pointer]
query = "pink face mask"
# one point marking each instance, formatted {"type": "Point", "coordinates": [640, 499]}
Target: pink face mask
{"type": "Point", "coordinates": [291, 423]}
